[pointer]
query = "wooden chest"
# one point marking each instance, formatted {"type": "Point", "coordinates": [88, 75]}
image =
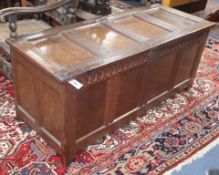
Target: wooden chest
{"type": "Point", "coordinates": [75, 83]}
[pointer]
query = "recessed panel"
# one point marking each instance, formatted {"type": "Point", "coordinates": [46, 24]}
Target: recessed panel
{"type": "Point", "coordinates": [62, 52]}
{"type": "Point", "coordinates": [106, 37]}
{"type": "Point", "coordinates": [134, 26]}
{"type": "Point", "coordinates": [129, 90]}
{"type": "Point", "coordinates": [186, 63]}
{"type": "Point", "coordinates": [171, 18]}
{"type": "Point", "coordinates": [90, 109]}
{"type": "Point", "coordinates": [50, 112]}
{"type": "Point", "coordinates": [158, 76]}
{"type": "Point", "coordinates": [25, 85]}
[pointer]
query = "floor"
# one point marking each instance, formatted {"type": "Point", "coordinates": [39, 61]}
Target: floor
{"type": "Point", "coordinates": [206, 160]}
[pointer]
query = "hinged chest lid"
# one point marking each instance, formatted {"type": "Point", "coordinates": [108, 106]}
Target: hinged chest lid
{"type": "Point", "coordinates": [68, 51]}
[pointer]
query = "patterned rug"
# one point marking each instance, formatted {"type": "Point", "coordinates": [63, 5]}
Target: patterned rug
{"type": "Point", "coordinates": [151, 144]}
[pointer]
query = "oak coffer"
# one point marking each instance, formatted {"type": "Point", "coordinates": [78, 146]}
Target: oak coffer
{"type": "Point", "coordinates": [75, 83]}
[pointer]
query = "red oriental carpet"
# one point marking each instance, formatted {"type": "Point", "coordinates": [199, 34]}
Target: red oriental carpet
{"type": "Point", "coordinates": [151, 144]}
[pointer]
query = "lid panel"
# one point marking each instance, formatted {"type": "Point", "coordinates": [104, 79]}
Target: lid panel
{"type": "Point", "coordinates": [61, 51]}
{"type": "Point", "coordinates": [136, 26]}
{"type": "Point", "coordinates": [171, 18]}
{"type": "Point", "coordinates": [56, 53]}
{"type": "Point", "coordinates": [69, 51]}
{"type": "Point", "coordinates": [106, 37]}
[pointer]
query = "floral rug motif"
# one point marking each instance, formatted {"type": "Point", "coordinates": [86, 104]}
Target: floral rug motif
{"type": "Point", "coordinates": [151, 144]}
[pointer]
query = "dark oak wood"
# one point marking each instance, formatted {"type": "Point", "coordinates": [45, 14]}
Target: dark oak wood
{"type": "Point", "coordinates": [125, 63]}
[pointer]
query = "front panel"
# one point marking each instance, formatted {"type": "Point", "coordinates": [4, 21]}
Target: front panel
{"type": "Point", "coordinates": [129, 90]}
{"type": "Point", "coordinates": [159, 73]}
{"type": "Point", "coordinates": [186, 62]}
{"type": "Point", "coordinates": [90, 107]}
